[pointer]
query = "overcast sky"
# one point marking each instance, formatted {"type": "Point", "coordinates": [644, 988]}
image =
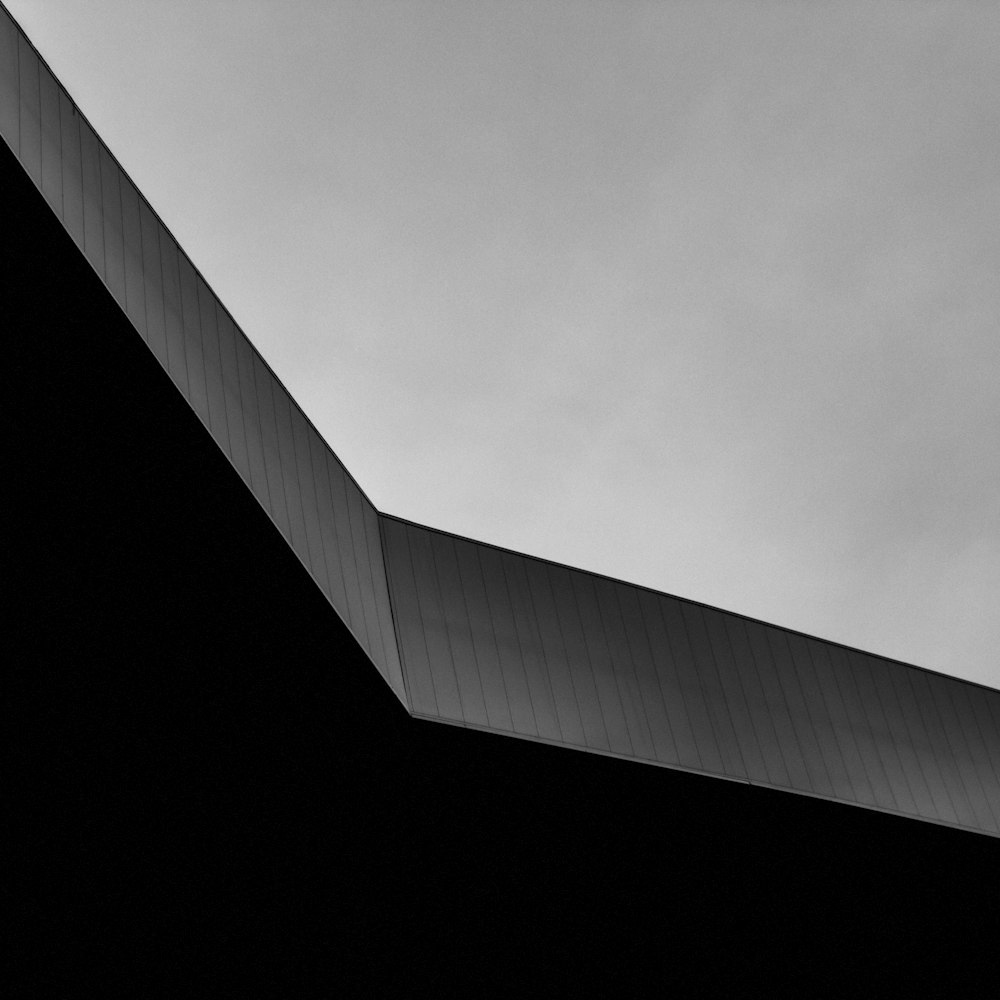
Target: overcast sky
{"type": "Point", "coordinates": [704, 296]}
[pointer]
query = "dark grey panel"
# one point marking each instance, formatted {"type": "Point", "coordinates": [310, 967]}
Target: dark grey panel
{"type": "Point", "coordinates": [310, 509]}
{"type": "Point", "coordinates": [961, 699]}
{"type": "Point", "coordinates": [598, 651]}
{"type": "Point", "coordinates": [902, 739]}
{"type": "Point", "coordinates": [390, 667]}
{"type": "Point", "coordinates": [456, 624]}
{"type": "Point", "coordinates": [152, 285]}
{"type": "Point", "coordinates": [679, 676]}
{"type": "Point", "coordinates": [339, 484]}
{"type": "Point", "coordinates": [327, 526]}
{"type": "Point", "coordinates": [114, 239]}
{"type": "Point", "coordinates": [818, 715]}
{"type": "Point", "coordinates": [72, 168]}
{"type": "Point", "coordinates": [10, 88]}
{"type": "Point", "coordinates": [173, 311]}
{"type": "Point", "coordinates": [31, 131]}
{"type": "Point", "coordinates": [878, 726]}
{"type": "Point", "coordinates": [765, 733]}
{"type": "Point", "coordinates": [920, 742]}
{"type": "Point", "coordinates": [48, 93]}
{"type": "Point", "coordinates": [554, 653]}
{"type": "Point", "coordinates": [663, 724]}
{"type": "Point", "coordinates": [735, 682]}
{"type": "Point", "coordinates": [232, 392]}
{"type": "Point", "coordinates": [442, 672]}
{"type": "Point", "coordinates": [827, 676]}
{"type": "Point", "coordinates": [607, 612]}
{"type": "Point", "coordinates": [944, 756]}
{"type": "Point", "coordinates": [485, 653]}
{"type": "Point", "coordinates": [135, 282]}
{"type": "Point", "coordinates": [93, 211]}
{"type": "Point", "coordinates": [269, 440]}
{"type": "Point", "coordinates": [373, 628]}
{"type": "Point", "coordinates": [529, 647]}
{"type": "Point", "coordinates": [496, 636]}
{"type": "Point", "coordinates": [791, 688]}
{"type": "Point", "coordinates": [251, 421]}
{"type": "Point", "coordinates": [777, 705]}
{"type": "Point", "coordinates": [191, 326]}
{"type": "Point", "coordinates": [289, 472]}
{"type": "Point", "coordinates": [861, 730]}
{"type": "Point", "coordinates": [409, 622]}
{"type": "Point", "coordinates": [984, 707]}
{"type": "Point", "coordinates": [575, 658]}
{"type": "Point", "coordinates": [218, 420]}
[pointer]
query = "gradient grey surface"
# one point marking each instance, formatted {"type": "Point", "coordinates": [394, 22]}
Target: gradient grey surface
{"type": "Point", "coordinates": [322, 513]}
{"type": "Point", "coordinates": [478, 636]}
{"type": "Point", "coordinates": [500, 641]}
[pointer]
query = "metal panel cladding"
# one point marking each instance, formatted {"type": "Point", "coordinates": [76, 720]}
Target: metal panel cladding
{"type": "Point", "coordinates": [505, 642]}
{"type": "Point", "coordinates": [296, 478]}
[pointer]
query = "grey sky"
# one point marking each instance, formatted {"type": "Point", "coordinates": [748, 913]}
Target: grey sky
{"type": "Point", "coordinates": [704, 296]}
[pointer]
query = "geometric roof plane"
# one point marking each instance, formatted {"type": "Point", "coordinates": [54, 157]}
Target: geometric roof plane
{"type": "Point", "coordinates": [481, 637]}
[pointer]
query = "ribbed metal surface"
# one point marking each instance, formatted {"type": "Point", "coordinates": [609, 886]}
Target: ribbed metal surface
{"type": "Point", "coordinates": [316, 505]}
{"type": "Point", "coordinates": [505, 642]}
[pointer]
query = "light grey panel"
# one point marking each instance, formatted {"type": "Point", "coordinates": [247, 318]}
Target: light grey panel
{"type": "Point", "coordinates": [961, 698]}
{"type": "Point", "coordinates": [445, 684]}
{"type": "Point", "coordinates": [193, 354]}
{"type": "Point", "coordinates": [941, 694]}
{"type": "Point", "coordinates": [771, 757]}
{"type": "Point", "coordinates": [389, 666]}
{"type": "Point", "coordinates": [944, 755]}
{"type": "Point", "coordinates": [10, 116]}
{"type": "Point", "coordinates": [339, 484]}
{"type": "Point", "coordinates": [485, 653]}
{"type": "Point", "coordinates": [31, 131]}
{"type": "Point", "coordinates": [310, 509]}
{"type": "Point", "coordinates": [409, 622]}
{"type": "Point", "coordinates": [607, 612]}
{"type": "Point", "coordinates": [356, 504]}
{"type": "Point", "coordinates": [878, 725]}
{"type": "Point", "coordinates": [48, 94]}
{"type": "Point", "coordinates": [456, 625]}
{"type": "Point", "coordinates": [218, 420]}
{"type": "Point", "coordinates": [610, 697]}
{"type": "Point", "coordinates": [529, 647]}
{"type": "Point", "coordinates": [269, 439]}
{"type": "Point", "coordinates": [233, 392]}
{"type": "Point", "coordinates": [251, 421]}
{"type": "Point", "coordinates": [777, 705]}
{"type": "Point", "coordinates": [861, 729]}
{"type": "Point", "coordinates": [808, 742]}
{"type": "Point", "coordinates": [656, 712]}
{"type": "Point", "coordinates": [114, 239]}
{"type": "Point", "coordinates": [554, 653]}
{"type": "Point", "coordinates": [152, 283]}
{"type": "Point", "coordinates": [93, 211]}
{"type": "Point", "coordinates": [679, 675]}
{"type": "Point", "coordinates": [289, 471]}
{"type": "Point", "coordinates": [733, 697]}
{"type": "Point", "coordinates": [920, 742]}
{"type": "Point", "coordinates": [135, 285]}
{"type": "Point", "coordinates": [173, 312]}
{"type": "Point", "coordinates": [826, 675]}
{"type": "Point", "coordinates": [818, 715]}
{"type": "Point", "coordinates": [72, 168]}
{"type": "Point", "coordinates": [503, 639]}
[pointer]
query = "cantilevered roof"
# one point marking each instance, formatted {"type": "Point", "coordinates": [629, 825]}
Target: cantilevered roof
{"type": "Point", "coordinates": [485, 638]}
